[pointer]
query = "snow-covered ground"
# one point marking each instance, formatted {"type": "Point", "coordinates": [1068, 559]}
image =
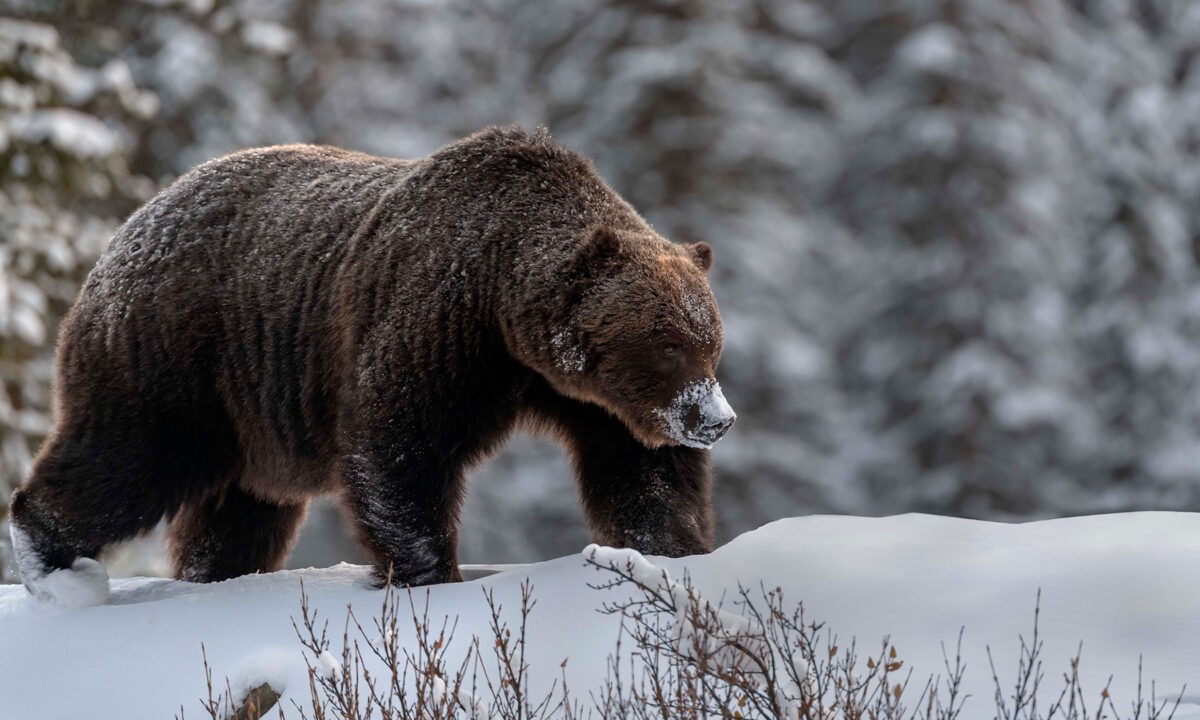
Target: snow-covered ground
{"type": "Point", "coordinates": [1124, 585]}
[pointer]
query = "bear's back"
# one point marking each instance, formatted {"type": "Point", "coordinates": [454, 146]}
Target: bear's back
{"type": "Point", "coordinates": [225, 280]}
{"type": "Point", "coordinates": [264, 200]}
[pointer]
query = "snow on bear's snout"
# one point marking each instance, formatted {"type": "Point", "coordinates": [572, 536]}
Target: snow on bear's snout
{"type": "Point", "coordinates": [699, 415]}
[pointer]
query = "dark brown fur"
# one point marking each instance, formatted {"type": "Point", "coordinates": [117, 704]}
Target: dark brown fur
{"type": "Point", "coordinates": [287, 322]}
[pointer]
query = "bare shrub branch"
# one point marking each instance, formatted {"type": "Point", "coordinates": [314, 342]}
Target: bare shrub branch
{"type": "Point", "coordinates": [677, 656]}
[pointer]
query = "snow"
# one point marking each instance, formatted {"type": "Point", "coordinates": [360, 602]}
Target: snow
{"type": "Point", "coordinates": [27, 325]}
{"type": "Point", "coordinates": [68, 130]}
{"type": "Point", "coordinates": [276, 665]}
{"type": "Point", "coordinates": [1120, 584]}
{"type": "Point", "coordinates": [935, 48]}
{"type": "Point", "coordinates": [26, 558]}
{"type": "Point", "coordinates": [569, 356]}
{"type": "Point", "coordinates": [698, 310]}
{"type": "Point", "coordinates": [84, 584]}
{"type": "Point", "coordinates": [269, 38]}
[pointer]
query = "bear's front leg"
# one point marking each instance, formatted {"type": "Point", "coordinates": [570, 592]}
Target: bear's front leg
{"type": "Point", "coordinates": [406, 506]}
{"type": "Point", "coordinates": [656, 501]}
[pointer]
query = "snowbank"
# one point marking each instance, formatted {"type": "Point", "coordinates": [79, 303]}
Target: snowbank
{"type": "Point", "coordinates": [1123, 585]}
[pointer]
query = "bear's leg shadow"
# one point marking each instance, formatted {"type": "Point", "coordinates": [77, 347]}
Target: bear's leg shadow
{"type": "Point", "coordinates": [232, 533]}
{"type": "Point", "coordinates": [407, 513]}
{"type": "Point", "coordinates": [98, 482]}
{"type": "Point", "coordinates": [655, 501]}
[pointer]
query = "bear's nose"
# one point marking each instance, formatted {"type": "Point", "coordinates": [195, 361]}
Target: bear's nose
{"type": "Point", "coordinates": [699, 415]}
{"type": "Point", "coordinates": [714, 430]}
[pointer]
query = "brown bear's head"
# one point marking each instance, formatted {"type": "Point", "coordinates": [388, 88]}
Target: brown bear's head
{"type": "Point", "coordinates": [643, 337]}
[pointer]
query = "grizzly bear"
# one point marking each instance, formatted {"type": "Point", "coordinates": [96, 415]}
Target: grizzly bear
{"type": "Point", "coordinates": [293, 321]}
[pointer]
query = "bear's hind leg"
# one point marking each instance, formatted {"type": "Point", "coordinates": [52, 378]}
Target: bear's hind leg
{"type": "Point", "coordinates": [232, 533]}
{"type": "Point", "coordinates": [104, 479]}
{"type": "Point", "coordinates": [49, 569]}
{"type": "Point", "coordinates": [72, 508]}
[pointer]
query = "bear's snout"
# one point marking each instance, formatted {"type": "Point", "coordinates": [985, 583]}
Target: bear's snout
{"type": "Point", "coordinates": [714, 416]}
{"type": "Point", "coordinates": [699, 415]}
{"type": "Point", "coordinates": [712, 430]}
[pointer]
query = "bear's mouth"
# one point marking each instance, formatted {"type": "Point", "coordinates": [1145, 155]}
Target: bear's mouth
{"type": "Point", "coordinates": [699, 415]}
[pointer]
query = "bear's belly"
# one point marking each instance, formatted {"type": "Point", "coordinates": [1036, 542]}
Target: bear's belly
{"type": "Point", "coordinates": [274, 474]}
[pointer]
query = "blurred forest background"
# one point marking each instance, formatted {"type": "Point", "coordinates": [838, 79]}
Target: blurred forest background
{"type": "Point", "coordinates": [958, 241]}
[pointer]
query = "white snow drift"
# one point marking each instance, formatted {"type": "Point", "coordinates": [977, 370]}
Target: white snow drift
{"type": "Point", "coordinates": [1123, 585]}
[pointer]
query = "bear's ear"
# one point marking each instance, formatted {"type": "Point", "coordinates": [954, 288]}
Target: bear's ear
{"type": "Point", "coordinates": [702, 255]}
{"type": "Point", "coordinates": [597, 252]}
